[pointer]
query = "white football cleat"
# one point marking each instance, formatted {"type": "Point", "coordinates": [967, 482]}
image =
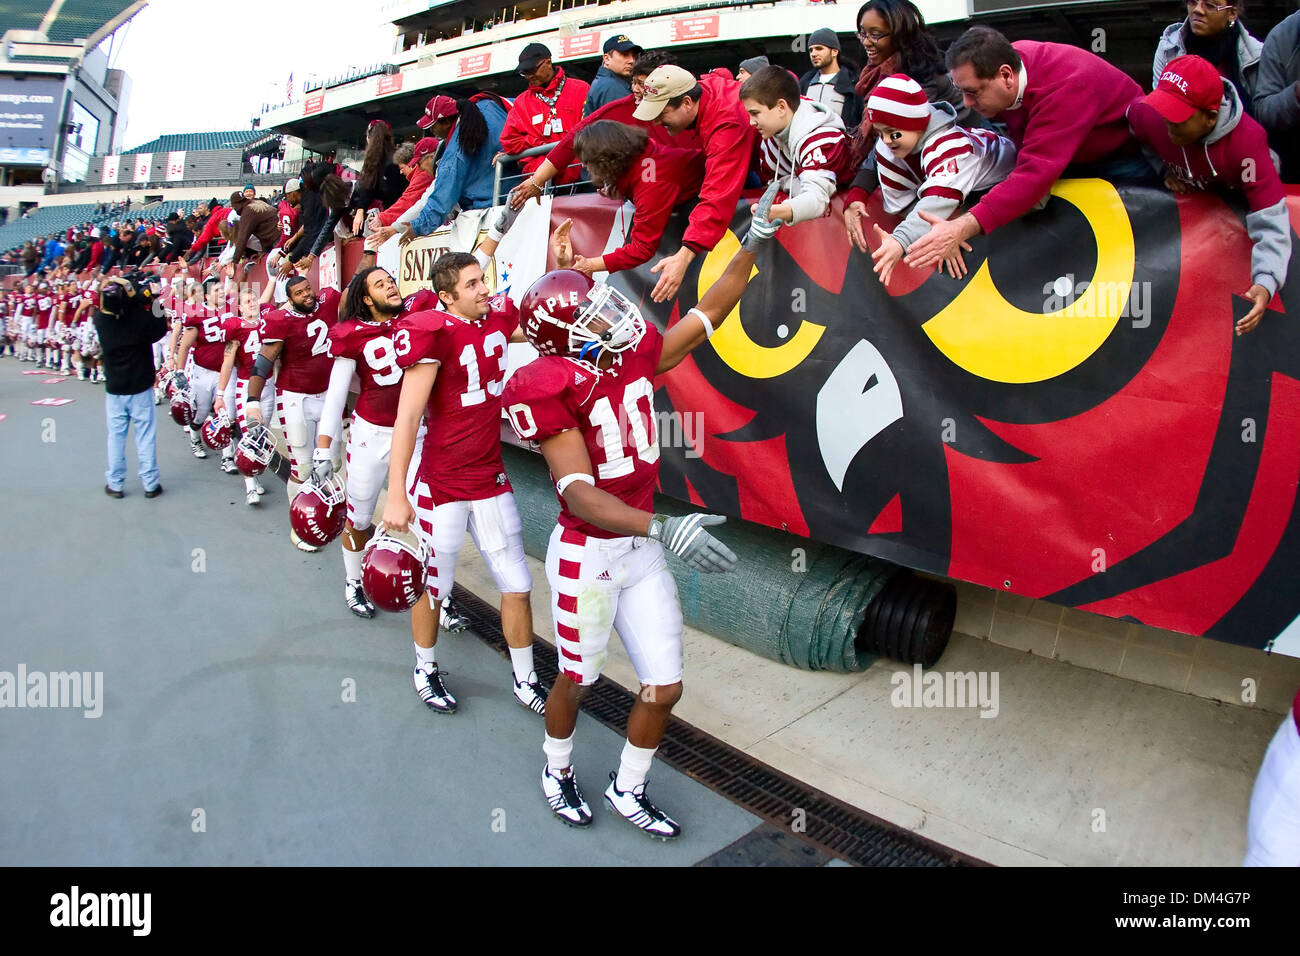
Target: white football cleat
{"type": "Point", "coordinates": [565, 798]}
{"type": "Point", "coordinates": [635, 807]}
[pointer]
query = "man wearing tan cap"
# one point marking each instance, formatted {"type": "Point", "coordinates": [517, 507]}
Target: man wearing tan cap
{"type": "Point", "coordinates": [711, 107]}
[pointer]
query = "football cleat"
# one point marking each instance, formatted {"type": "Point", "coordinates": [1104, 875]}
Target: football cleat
{"type": "Point", "coordinates": [196, 447]}
{"type": "Point", "coordinates": [450, 618]}
{"type": "Point", "coordinates": [429, 685]}
{"type": "Point", "coordinates": [252, 498]}
{"type": "Point", "coordinates": [531, 694]}
{"type": "Point", "coordinates": [358, 603]}
{"type": "Point", "coordinates": [635, 807]}
{"type": "Point", "coordinates": [300, 544]}
{"type": "Point", "coordinates": [228, 465]}
{"type": "Point", "coordinates": [565, 798]}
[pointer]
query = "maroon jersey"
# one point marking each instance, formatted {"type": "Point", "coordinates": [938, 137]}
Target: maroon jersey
{"type": "Point", "coordinates": [249, 337]}
{"type": "Point", "coordinates": [44, 305]}
{"type": "Point", "coordinates": [304, 362]}
{"type": "Point", "coordinates": [373, 346]}
{"type": "Point", "coordinates": [461, 460]}
{"type": "Point", "coordinates": [210, 347]}
{"type": "Point", "coordinates": [288, 218]}
{"type": "Point", "coordinates": [613, 408]}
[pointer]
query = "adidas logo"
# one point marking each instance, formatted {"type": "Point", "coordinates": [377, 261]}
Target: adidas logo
{"type": "Point", "coordinates": [577, 378]}
{"type": "Point", "coordinates": [603, 576]}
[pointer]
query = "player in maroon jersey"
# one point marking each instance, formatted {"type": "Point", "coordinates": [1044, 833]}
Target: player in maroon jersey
{"type": "Point", "coordinates": [363, 344]}
{"type": "Point", "coordinates": [243, 345]}
{"type": "Point", "coordinates": [297, 335]}
{"type": "Point", "coordinates": [44, 309]}
{"type": "Point", "coordinates": [287, 212]}
{"type": "Point", "coordinates": [455, 363]}
{"type": "Point", "coordinates": [589, 401]}
{"type": "Point", "coordinates": [204, 341]}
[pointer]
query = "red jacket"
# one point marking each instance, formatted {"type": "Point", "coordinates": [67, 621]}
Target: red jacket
{"type": "Point", "coordinates": [659, 179]}
{"type": "Point", "coordinates": [620, 111]}
{"type": "Point", "coordinates": [729, 146]}
{"type": "Point", "coordinates": [96, 254]}
{"type": "Point", "coordinates": [415, 188]}
{"type": "Point", "coordinates": [1072, 111]}
{"type": "Point", "coordinates": [212, 229]}
{"type": "Point", "coordinates": [531, 122]}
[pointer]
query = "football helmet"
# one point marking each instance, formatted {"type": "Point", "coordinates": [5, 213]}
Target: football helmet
{"type": "Point", "coordinates": [565, 313]}
{"type": "Point", "coordinates": [317, 512]}
{"type": "Point", "coordinates": [254, 451]}
{"type": "Point", "coordinates": [392, 570]}
{"type": "Point", "coordinates": [217, 431]}
{"type": "Point", "coordinates": [183, 407]}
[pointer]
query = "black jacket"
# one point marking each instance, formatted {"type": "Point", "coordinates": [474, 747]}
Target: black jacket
{"type": "Point", "coordinates": [389, 189]}
{"type": "Point", "coordinates": [126, 342]}
{"type": "Point", "coordinates": [844, 82]}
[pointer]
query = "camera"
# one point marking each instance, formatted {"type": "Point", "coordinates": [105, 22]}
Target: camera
{"type": "Point", "coordinates": [113, 295]}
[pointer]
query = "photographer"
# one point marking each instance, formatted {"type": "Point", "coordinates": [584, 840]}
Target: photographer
{"type": "Point", "coordinates": [128, 325]}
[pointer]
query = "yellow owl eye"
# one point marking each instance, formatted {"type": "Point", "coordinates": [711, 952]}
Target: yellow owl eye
{"type": "Point", "coordinates": [983, 333]}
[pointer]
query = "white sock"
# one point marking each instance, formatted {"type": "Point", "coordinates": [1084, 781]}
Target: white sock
{"type": "Point", "coordinates": [228, 453]}
{"type": "Point", "coordinates": [195, 437]}
{"type": "Point", "coordinates": [634, 766]}
{"type": "Point", "coordinates": [521, 662]}
{"type": "Point", "coordinates": [426, 657]}
{"type": "Point", "coordinates": [558, 753]}
{"type": "Point", "coordinates": [352, 565]}
{"type": "Point", "coordinates": [292, 487]}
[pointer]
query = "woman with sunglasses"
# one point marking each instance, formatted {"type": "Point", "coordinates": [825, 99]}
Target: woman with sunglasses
{"type": "Point", "coordinates": [1214, 31]}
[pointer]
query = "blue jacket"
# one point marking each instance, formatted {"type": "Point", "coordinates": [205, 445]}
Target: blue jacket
{"type": "Point", "coordinates": [52, 251]}
{"type": "Point", "coordinates": [605, 88]}
{"type": "Point", "coordinates": [461, 179]}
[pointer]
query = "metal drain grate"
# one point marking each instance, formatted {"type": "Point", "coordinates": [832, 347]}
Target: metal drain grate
{"type": "Point", "coordinates": [831, 825]}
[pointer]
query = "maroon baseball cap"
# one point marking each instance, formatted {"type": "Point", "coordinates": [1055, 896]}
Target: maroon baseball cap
{"type": "Point", "coordinates": [1187, 84]}
{"type": "Point", "coordinates": [439, 107]}
{"type": "Point", "coordinates": [425, 147]}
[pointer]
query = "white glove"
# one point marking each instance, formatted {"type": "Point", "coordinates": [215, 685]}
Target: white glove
{"type": "Point", "coordinates": [322, 466]}
{"type": "Point", "coordinates": [685, 537]}
{"type": "Point", "coordinates": [761, 229]}
{"type": "Point", "coordinates": [503, 222]}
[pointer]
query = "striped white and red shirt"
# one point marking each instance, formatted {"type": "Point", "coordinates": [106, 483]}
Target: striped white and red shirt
{"type": "Point", "coordinates": [812, 159]}
{"type": "Point", "coordinates": [951, 163]}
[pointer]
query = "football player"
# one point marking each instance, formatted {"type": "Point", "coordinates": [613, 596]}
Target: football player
{"type": "Point", "coordinates": [455, 362]}
{"type": "Point", "coordinates": [589, 401]}
{"type": "Point", "coordinates": [205, 337]}
{"type": "Point", "coordinates": [297, 335]}
{"type": "Point", "coordinates": [362, 344]}
{"type": "Point", "coordinates": [243, 345]}
{"type": "Point", "coordinates": [43, 303]}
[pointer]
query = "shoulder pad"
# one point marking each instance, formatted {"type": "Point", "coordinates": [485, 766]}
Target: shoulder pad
{"type": "Point", "coordinates": [549, 376]}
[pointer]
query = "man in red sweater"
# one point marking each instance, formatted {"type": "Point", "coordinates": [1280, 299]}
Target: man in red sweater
{"type": "Point", "coordinates": [548, 107]}
{"type": "Point", "coordinates": [711, 107]}
{"type": "Point", "coordinates": [1061, 105]}
{"type": "Point", "coordinates": [210, 231]}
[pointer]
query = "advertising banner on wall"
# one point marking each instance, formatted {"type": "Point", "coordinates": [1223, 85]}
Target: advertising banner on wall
{"type": "Point", "coordinates": [29, 117]}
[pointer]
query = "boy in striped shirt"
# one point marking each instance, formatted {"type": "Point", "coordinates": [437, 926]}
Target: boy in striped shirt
{"type": "Point", "coordinates": [928, 163]}
{"type": "Point", "coordinates": [804, 146]}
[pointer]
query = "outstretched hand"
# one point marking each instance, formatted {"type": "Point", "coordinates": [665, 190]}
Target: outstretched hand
{"type": "Point", "coordinates": [562, 245]}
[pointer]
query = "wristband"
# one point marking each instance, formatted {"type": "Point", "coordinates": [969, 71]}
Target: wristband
{"type": "Point", "coordinates": [570, 479]}
{"type": "Point", "coordinates": [482, 257]}
{"type": "Point", "coordinates": [708, 326]}
{"type": "Point", "coordinates": [656, 532]}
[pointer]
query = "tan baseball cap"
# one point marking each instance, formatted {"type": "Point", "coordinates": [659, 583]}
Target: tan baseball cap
{"type": "Point", "coordinates": [665, 83]}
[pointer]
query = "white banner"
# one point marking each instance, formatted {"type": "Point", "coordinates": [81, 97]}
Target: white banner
{"type": "Point", "coordinates": [176, 166]}
{"type": "Point", "coordinates": [143, 164]}
{"type": "Point", "coordinates": [110, 170]}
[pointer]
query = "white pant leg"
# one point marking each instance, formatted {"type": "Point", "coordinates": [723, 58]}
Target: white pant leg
{"type": "Point", "coordinates": [368, 449]}
{"type": "Point", "coordinates": [300, 415]}
{"type": "Point", "coordinates": [582, 604]}
{"type": "Point", "coordinates": [649, 614]}
{"type": "Point", "coordinates": [498, 534]}
{"type": "Point", "coordinates": [442, 528]}
{"type": "Point", "coordinates": [204, 381]}
{"type": "Point", "coordinates": [1273, 827]}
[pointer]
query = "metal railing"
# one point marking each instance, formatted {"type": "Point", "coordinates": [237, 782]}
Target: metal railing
{"type": "Point", "coordinates": [503, 183]}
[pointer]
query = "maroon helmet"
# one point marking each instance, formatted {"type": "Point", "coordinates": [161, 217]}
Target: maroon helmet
{"type": "Point", "coordinates": [217, 431]}
{"type": "Point", "coordinates": [183, 407]}
{"type": "Point", "coordinates": [254, 451]}
{"type": "Point", "coordinates": [392, 570]}
{"type": "Point", "coordinates": [317, 513]}
{"type": "Point", "coordinates": [558, 310]}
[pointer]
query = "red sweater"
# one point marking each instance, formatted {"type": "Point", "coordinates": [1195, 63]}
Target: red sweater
{"type": "Point", "coordinates": [415, 188]}
{"type": "Point", "coordinates": [677, 177]}
{"type": "Point", "coordinates": [620, 111]}
{"type": "Point", "coordinates": [1072, 111]}
{"type": "Point", "coordinates": [729, 146]}
{"type": "Point", "coordinates": [531, 122]}
{"type": "Point", "coordinates": [212, 229]}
